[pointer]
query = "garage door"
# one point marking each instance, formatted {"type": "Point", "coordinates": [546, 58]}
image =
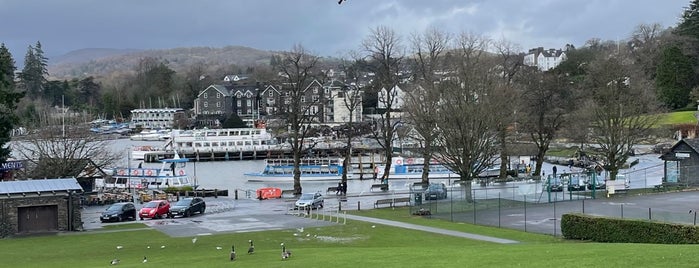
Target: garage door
{"type": "Point", "coordinates": [38, 219]}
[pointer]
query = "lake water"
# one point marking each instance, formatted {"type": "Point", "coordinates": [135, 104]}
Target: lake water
{"type": "Point", "coordinates": [230, 174]}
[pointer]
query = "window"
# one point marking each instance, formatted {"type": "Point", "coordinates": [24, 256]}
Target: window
{"type": "Point", "coordinates": [248, 103]}
{"type": "Point", "coordinates": [206, 95]}
{"type": "Point", "coordinates": [271, 93]}
{"type": "Point", "coordinates": [239, 103]}
{"type": "Point", "coordinates": [316, 98]}
{"type": "Point", "coordinates": [218, 104]}
{"type": "Point", "coordinates": [218, 95]}
{"type": "Point", "coordinates": [315, 90]}
{"type": "Point", "coordinates": [206, 104]}
{"type": "Point", "coordinates": [303, 98]}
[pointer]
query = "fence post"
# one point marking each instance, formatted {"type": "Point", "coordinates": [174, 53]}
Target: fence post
{"type": "Point", "coordinates": [499, 214]}
{"type": "Point", "coordinates": [649, 215]}
{"type": "Point", "coordinates": [525, 213]}
{"type": "Point", "coordinates": [622, 211]}
{"type": "Point", "coordinates": [358, 206]}
{"type": "Point", "coordinates": [554, 217]}
{"type": "Point", "coordinates": [583, 206]}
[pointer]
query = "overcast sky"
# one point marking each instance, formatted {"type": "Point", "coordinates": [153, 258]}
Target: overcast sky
{"type": "Point", "coordinates": [323, 26]}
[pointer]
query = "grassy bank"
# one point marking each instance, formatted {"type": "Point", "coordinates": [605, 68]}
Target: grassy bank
{"type": "Point", "coordinates": [350, 245]}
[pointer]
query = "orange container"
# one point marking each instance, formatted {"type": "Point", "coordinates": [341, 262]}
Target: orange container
{"type": "Point", "coordinates": [268, 193]}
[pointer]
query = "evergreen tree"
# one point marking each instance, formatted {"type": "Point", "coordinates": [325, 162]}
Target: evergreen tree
{"type": "Point", "coordinates": [689, 23]}
{"type": "Point", "coordinates": [674, 76]}
{"type": "Point", "coordinates": [8, 101]}
{"type": "Point", "coordinates": [34, 74]}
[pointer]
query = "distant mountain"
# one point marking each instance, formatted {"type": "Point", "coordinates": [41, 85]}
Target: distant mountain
{"type": "Point", "coordinates": [101, 62]}
{"type": "Point", "coordinates": [88, 54]}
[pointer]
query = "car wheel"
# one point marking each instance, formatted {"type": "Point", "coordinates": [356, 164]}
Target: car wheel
{"type": "Point", "coordinates": [202, 210]}
{"type": "Point", "coordinates": [120, 218]}
{"type": "Point", "coordinates": [187, 214]}
{"type": "Point", "coordinates": [321, 204]}
{"type": "Point", "coordinates": [141, 218]}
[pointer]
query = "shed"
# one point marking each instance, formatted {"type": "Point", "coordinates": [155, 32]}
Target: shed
{"type": "Point", "coordinates": [682, 163]}
{"type": "Point", "coordinates": [36, 206]}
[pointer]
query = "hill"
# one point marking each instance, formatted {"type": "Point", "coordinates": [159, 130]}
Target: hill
{"type": "Point", "coordinates": [101, 62]}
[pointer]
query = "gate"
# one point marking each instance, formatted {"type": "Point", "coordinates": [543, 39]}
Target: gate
{"type": "Point", "coordinates": [37, 219]}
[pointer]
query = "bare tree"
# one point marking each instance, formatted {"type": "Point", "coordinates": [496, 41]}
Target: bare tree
{"type": "Point", "coordinates": [385, 57]}
{"type": "Point", "coordinates": [52, 154]}
{"type": "Point", "coordinates": [298, 111]}
{"type": "Point", "coordinates": [467, 125]}
{"type": "Point", "coordinates": [351, 97]}
{"type": "Point", "coordinates": [623, 109]}
{"type": "Point", "coordinates": [422, 102]}
{"type": "Point", "coordinates": [508, 61]}
{"type": "Point", "coordinates": [545, 101]}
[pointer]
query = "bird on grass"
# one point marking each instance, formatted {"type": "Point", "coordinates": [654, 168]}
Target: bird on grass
{"type": "Point", "coordinates": [251, 249]}
{"type": "Point", "coordinates": [232, 252]}
{"type": "Point", "coordinates": [194, 240]}
{"type": "Point", "coordinates": [120, 247]}
{"type": "Point", "coordinates": [114, 262]}
{"type": "Point", "coordinates": [145, 259]}
{"type": "Point", "coordinates": [285, 253]}
{"type": "Point", "coordinates": [163, 246]}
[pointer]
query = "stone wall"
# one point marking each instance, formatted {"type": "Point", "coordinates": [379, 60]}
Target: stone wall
{"type": "Point", "coordinates": [9, 210]}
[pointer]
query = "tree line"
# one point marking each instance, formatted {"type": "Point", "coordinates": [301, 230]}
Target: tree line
{"type": "Point", "coordinates": [468, 96]}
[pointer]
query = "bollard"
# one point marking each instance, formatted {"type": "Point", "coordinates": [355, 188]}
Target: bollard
{"type": "Point", "coordinates": [358, 206]}
{"type": "Point", "coordinates": [235, 193]}
{"type": "Point", "coordinates": [215, 193]}
{"type": "Point", "coordinates": [339, 206]}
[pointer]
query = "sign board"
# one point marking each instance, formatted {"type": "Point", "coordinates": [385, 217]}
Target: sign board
{"type": "Point", "coordinates": [682, 155]}
{"type": "Point", "coordinates": [11, 165]}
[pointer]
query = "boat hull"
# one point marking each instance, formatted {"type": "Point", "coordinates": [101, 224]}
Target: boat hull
{"type": "Point", "coordinates": [260, 177]}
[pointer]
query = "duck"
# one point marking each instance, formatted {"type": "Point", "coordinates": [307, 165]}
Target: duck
{"type": "Point", "coordinates": [285, 253]}
{"type": "Point", "coordinates": [232, 252]}
{"type": "Point", "coordinates": [251, 249]}
{"type": "Point", "coordinates": [114, 262]}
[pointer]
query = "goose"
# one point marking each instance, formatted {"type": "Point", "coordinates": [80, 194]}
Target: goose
{"type": "Point", "coordinates": [232, 252]}
{"type": "Point", "coordinates": [251, 249]}
{"type": "Point", "coordinates": [114, 262]}
{"type": "Point", "coordinates": [145, 259]}
{"type": "Point", "coordinates": [285, 254]}
{"type": "Point", "coordinates": [194, 240]}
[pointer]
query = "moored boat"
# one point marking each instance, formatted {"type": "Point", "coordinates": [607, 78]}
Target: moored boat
{"type": "Point", "coordinates": [411, 168]}
{"type": "Point", "coordinates": [312, 169]}
{"type": "Point", "coordinates": [172, 173]}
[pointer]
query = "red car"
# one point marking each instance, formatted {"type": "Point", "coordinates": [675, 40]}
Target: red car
{"type": "Point", "coordinates": [155, 209]}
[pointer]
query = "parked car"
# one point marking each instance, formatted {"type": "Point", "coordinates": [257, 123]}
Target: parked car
{"type": "Point", "coordinates": [436, 191]}
{"type": "Point", "coordinates": [186, 207]}
{"type": "Point", "coordinates": [599, 184]}
{"type": "Point", "coordinates": [312, 200]}
{"type": "Point", "coordinates": [154, 209]}
{"type": "Point", "coordinates": [553, 185]}
{"type": "Point", "coordinates": [119, 212]}
{"type": "Point", "coordinates": [576, 184]}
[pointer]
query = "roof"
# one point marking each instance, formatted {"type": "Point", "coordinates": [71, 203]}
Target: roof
{"type": "Point", "coordinates": [37, 186]}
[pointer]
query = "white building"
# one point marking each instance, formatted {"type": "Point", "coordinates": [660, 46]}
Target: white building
{"type": "Point", "coordinates": [396, 96]}
{"type": "Point", "coordinates": [155, 118]}
{"type": "Point", "coordinates": [544, 59]}
{"type": "Point", "coordinates": [343, 101]}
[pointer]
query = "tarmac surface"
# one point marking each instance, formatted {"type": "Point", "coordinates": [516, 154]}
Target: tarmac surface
{"type": "Point", "coordinates": [228, 215]}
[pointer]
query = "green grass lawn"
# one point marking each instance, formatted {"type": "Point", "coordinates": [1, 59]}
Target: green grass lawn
{"type": "Point", "coordinates": [686, 117]}
{"type": "Point", "coordinates": [351, 245]}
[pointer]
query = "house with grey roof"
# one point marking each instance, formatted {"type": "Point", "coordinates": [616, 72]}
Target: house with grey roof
{"type": "Point", "coordinates": [38, 206]}
{"type": "Point", "coordinates": [544, 59]}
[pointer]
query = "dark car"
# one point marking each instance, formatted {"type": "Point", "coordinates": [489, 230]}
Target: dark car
{"type": "Point", "coordinates": [553, 185]}
{"type": "Point", "coordinates": [119, 212]}
{"type": "Point", "coordinates": [154, 209]}
{"type": "Point", "coordinates": [188, 206]}
{"type": "Point", "coordinates": [576, 184]}
{"type": "Point", "coordinates": [436, 191]}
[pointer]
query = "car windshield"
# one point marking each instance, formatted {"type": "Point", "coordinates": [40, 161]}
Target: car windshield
{"type": "Point", "coordinates": [306, 197]}
{"type": "Point", "coordinates": [183, 202]}
{"type": "Point", "coordinates": [151, 205]}
{"type": "Point", "coordinates": [435, 187]}
{"type": "Point", "coordinates": [114, 208]}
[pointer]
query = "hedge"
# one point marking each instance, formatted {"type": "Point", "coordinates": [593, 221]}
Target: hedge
{"type": "Point", "coordinates": [615, 230]}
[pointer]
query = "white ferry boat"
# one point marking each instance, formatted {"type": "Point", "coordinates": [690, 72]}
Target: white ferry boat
{"type": "Point", "coordinates": [312, 169]}
{"type": "Point", "coordinates": [172, 173]}
{"type": "Point", "coordinates": [215, 141]}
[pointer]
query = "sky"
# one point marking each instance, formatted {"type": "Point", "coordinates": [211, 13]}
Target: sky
{"type": "Point", "coordinates": [324, 27]}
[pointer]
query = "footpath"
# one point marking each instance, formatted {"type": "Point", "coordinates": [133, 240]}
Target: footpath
{"type": "Point", "coordinates": [431, 229]}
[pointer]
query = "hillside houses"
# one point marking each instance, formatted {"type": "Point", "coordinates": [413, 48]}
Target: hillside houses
{"type": "Point", "coordinates": [544, 59]}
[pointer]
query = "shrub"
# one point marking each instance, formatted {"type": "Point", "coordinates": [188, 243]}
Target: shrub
{"type": "Point", "coordinates": [615, 230]}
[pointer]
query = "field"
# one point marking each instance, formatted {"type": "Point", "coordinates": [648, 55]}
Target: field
{"type": "Point", "coordinates": [350, 245]}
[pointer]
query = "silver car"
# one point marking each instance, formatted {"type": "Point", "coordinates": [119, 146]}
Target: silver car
{"type": "Point", "coordinates": [312, 200]}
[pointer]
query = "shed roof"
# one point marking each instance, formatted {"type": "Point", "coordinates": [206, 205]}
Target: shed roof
{"type": "Point", "coordinates": [34, 186]}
